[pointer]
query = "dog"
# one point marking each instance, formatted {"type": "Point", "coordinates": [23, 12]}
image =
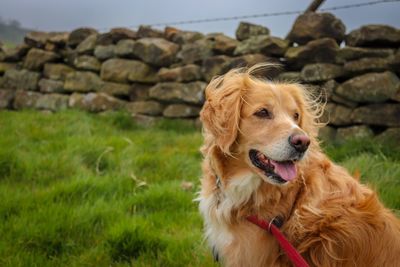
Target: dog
{"type": "Point", "coordinates": [262, 157]}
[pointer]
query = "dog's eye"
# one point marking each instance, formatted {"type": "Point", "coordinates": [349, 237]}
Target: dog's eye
{"type": "Point", "coordinates": [263, 113]}
{"type": "Point", "coordinates": [296, 116]}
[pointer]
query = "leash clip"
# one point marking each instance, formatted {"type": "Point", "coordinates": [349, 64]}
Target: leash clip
{"type": "Point", "coordinates": [277, 221]}
{"type": "Point", "coordinates": [270, 224]}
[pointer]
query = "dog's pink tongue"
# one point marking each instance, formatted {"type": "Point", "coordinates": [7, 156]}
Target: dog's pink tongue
{"type": "Point", "coordinates": [286, 170]}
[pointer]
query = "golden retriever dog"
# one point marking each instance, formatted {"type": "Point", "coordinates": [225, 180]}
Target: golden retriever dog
{"type": "Point", "coordinates": [262, 157]}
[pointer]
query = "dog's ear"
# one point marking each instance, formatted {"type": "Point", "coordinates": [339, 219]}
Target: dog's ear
{"type": "Point", "coordinates": [221, 111]}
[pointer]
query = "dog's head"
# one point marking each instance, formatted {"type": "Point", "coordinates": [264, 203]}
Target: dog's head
{"type": "Point", "coordinates": [269, 125]}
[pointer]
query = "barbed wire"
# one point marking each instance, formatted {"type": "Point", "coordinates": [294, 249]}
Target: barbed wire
{"type": "Point", "coordinates": [273, 14]}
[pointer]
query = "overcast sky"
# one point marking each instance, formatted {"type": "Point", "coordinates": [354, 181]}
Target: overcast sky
{"type": "Point", "coordinates": [57, 15]}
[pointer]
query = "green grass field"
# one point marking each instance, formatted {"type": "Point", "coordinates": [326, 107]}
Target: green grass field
{"type": "Point", "coordinates": [96, 190]}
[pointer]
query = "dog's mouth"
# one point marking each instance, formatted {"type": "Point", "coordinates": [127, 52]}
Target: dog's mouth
{"type": "Point", "coordinates": [279, 171]}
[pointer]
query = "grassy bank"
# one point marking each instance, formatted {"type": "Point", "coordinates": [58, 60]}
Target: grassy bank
{"type": "Point", "coordinates": [89, 190]}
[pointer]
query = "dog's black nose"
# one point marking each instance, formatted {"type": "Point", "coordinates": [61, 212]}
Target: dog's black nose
{"type": "Point", "coordinates": [299, 141]}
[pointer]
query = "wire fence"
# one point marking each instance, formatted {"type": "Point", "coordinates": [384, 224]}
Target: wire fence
{"type": "Point", "coordinates": [262, 15]}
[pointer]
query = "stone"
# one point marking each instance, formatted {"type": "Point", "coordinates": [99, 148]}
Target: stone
{"type": "Point", "coordinates": [181, 37]}
{"type": "Point", "coordinates": [328, 93]}
{"type": "Point", "coordinates": [25, 99]}
{"type": "Point", "coordinates": [370, 87]}
{"type": "Point", "coordinates": [181, 111]}
{"type": "Point", "coordinates": [53, 102]}
{"type": "Point", "coordinates": [150, 107]}
{"type": "Point", "coordinates": [15, 54]}
{"type": "Point", "coordinates": [336, 115]}
{"type": "Point", "coordinates": [105, 39]}
{"type": "Point", "coordinates": [312, 26]}
{"type": "Point", "coordinates": [82, 81]}
{"type": "Point", "coordinates": [195, 52]}
{"type": "Point", "coordinates": [6, 98]}
{"type": "Point", "coordinates": [364, 65]}
{"type": "Point", "coordinates": [343, 101]}
{"type": "Point", "coordinates": [60, 39]}
{"type": "Point", "coordinates": [328, 88]}
{"type": "Point", "coordinates": [4, 66]}
{"type": "Point", "coordinates": [51, 86]}
{"type": "Point", "coordinates": [348, 53]}
{"type": "Point", "coordinates": [50, 47]}
{"type": "Point", "coordinates": [36, 59]}
{"type": "Point", "coordinates": [116, 35]}
{"type": "Point", "coordinates": [124, 70]}
{"type": "Point", "coordinates": [252, 59]}
{"type": "Point", "coordinates": [103, 52]}
{"type": "Point", "coordinates": [290, 76]}
{"type": "Point", "coordinates": [77, 36]}
{"type": "Point", "coordinates": [124, 49]}
{"type": "Point", "coordinates": [354, 132]}
{"type": "Point", "coordinates": [69, 56]}
{"type": "Point", "coordinates": [21, 79]}
{"type": "Point", "coordinates": [139, 92]}
{"type": "Point", "coordinates": [145, 120]}
{"type": "Point", "coordinates": [179, 92]}
{"type": "Point", "coordinates": [39, 39]}
{"type": "Point", "coordinates": [56, 71]}
{"type": "Point", "coordinates": [265, 44]}
{"type": "Point", "coordinates": [247, 61]}
{"type": "Point", "coordinates": [396, 97]}
{"type": "Point", "coordinates": [186, 73]}
{"type": "Point", "coordinates": [378, 114]}
{"type": "Point", "coordinates": [95, 102]}
{"type": "Point", "coordinates": [148, 32]}
{"type": "Point", "coordinates": [155, 51]}
{"type": "Point", "coordinates": [317, 51]}
{"type": "Point", "coordinates": [87, 63]}
{"type": "Point", "coordinates": [390, 136]}
{"type": "Point", "coordinates": [115, 89]}
{"type": "Point", "coordinates": [319, 72]}
{"type": "Point", "coordinates": [120, 33]}
{"type": "Point", "coordinates": [395, 62]}
{"type": "Point", "coordinates": [327, 134]}
{"type": "Point", "coordinates": [87, 46]}
{"type": "Point", "coordinates": [223, 44]}
{"type": "Point", "coordinates": [36, 39]}
{"type": "Point", "coordinates": [374, 35]}
{"type": "Point", "coordinates": [215, 65]}
{"type": "Point", "coordinates": [246, 30]}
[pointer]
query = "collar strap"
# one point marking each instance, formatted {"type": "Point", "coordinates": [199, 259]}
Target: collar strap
{"type": "Point", "coordinates": [271, 227]}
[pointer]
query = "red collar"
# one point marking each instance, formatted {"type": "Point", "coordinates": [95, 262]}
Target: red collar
{"type": "Point", "coordinates": [290, 251]}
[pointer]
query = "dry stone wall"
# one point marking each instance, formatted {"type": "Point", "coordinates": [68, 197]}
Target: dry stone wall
{"type": "Point", "coordinates": [152, 73]}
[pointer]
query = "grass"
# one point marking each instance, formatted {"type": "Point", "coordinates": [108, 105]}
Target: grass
{"type": "Point", "coordinates": [88, 190]}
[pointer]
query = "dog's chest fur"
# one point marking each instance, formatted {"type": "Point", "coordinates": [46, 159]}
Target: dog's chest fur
{"type": "Point", "coordinates": [217, 208]}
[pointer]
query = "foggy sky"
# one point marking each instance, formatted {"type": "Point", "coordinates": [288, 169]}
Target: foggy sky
{"type": "Point", "coordinates": [56, 15]}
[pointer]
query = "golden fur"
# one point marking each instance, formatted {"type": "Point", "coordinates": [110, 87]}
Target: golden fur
{"type": "Point", "coordinates": [330, 217]}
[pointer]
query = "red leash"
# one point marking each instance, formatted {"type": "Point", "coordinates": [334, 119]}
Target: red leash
{"type": "Point", "coordinates": [290, 251]}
